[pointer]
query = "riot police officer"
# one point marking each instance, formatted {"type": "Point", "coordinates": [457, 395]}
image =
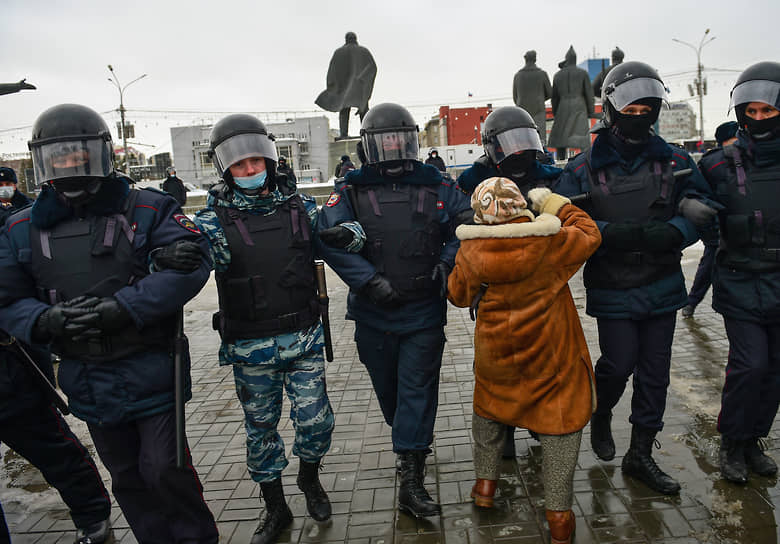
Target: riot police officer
{"type": "Point", "coordinates": [398, 282]}
{"type": "Point", "coordinates": [745, 177]}
{"type": "Point", "coordinates": [79, 274]}
{"type": "Point", "coordinates": [269, 318]}
{"type": "Point", "coordinates": [634, 282]}
{"type": "Point", "coordinates": [512, 149]}
{"type": "Point", "coordinates": [33, 427]}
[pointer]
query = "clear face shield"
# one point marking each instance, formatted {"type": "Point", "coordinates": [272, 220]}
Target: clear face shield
{"type": "Point", "coordinates": [756, 90]}
{"type": "Point", "coordinates": [71, 159]}
{"type": "Point", "coordinates": [629, 92]}
{"type": "Point", "coordinates": [513, 141]}
{"type": "Point", "coordinates": [242, 146]}
{"type": "Point", "coordinates": [396, 145]}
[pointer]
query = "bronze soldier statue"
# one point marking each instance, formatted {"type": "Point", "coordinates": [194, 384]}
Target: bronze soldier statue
{"type": "Point", "coordinates": [572, 105]}
{"type": "Point", "coordinates": [531, 87]}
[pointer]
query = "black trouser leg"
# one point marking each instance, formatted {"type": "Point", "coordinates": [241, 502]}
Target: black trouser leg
{"type": "Point", "coordinates": [161, 502]}
{"type": "Point", "coordinates": [42, 436]}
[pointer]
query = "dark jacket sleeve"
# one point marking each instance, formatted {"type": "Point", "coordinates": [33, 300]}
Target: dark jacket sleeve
{"type": "Point", "coordinates": [162, 293]}
{"type": "Point", "coordinates": [353, 268]}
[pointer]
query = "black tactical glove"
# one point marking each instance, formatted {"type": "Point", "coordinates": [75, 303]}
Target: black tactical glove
{"type": "Point", "coordinates": [65, 319]}
{"type": "Point", "coordinates": [439, 276]}
{"type": "Point", "coordinates": [182, 255]}
{"type": "Point", "coordinates": [697, 212]}
{"type": "Point", "coordinates": [381, 292]}
{"type": "Point", "coordinates": [338, 236]}
{"type": "Point", "coordinates": [625, 236]}
{"type": "Point", "coordinates": [107, 316]}
{"type": "Point", "coordinates": [659, 236]}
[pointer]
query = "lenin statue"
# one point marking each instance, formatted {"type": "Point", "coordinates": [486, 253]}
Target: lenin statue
{"type": "Point", "coordinates": [350, 82]}
{"type": "Point", "coordinates": [598, 81]}
{"type": "Point", "coordinates": [572, 105]}
{"type": "Point", "coordinates": [531, 87]}
{"type": "Point", "coordinates": [9, 88]}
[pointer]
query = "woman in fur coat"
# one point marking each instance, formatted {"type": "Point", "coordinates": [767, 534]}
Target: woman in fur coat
{"type": "Point", "coordinates": [532, 368]}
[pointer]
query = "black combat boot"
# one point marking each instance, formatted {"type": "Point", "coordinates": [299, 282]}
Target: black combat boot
{"type": "Point", "coordinates": [97, 533]}
{"type": "Point", "coordinates": [601, 440]}
{"type": "Point", "coordinates": [733, 466]}
{"type": "Point", "coordinates": [757, 460]}
{"type": "Point", "coordinates": [317, 502]}
{"type": "Point", "coordinates": [278, 516]}
{"type": "Point", "coordinates": [412, 496]}
{"type": "Point", "coordinates": [509, 443]}
{"type": "Point", "coordinates": [639, 464]}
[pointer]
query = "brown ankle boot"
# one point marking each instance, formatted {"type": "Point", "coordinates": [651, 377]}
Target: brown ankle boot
{"type": "Point", "coordinates": [483, 492]}
{"type": "Point", "coordinates": [561, 526]}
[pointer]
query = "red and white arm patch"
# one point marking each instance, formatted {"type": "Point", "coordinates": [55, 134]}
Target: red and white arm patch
{"type": "Point", "coordinates": [333, 199]}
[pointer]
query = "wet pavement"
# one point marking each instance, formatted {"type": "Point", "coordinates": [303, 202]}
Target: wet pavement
{"type": "Point", "coordinates": [359, 471]}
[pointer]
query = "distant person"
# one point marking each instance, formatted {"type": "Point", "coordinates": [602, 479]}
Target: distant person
{"type": "Point", "coordinates": [726, 134]}
{"type": "Point", "coordinates": [286, 169]}
{"type": "Point", "coordinates": [10, 197]}
{"type": "Point", "coordinates": [530, 88]}
{"type": "Point", "coordinates": [344, 166]}
{"type": "Point", "coordinates": [617, 57]}
{"type": "Point", "coordinates": [350, 82]}
{"type": "Point", "coordinates": [175, 186]}
{"type": "Point", "coordinates": [436, 161]}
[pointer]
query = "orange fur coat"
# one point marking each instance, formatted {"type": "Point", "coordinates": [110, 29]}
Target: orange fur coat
{"type": "Point", "coordinates": [532, 367]}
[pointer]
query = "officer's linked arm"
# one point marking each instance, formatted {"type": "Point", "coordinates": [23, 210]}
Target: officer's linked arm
{"type": "Point", "coordinates": [181, 255]}
{"type": "Point", "coordinates": [67, 319]}
{"type": "Point", "coordinates": [381, 292]}
{"type": "Point", "coordinates": [348, 236]}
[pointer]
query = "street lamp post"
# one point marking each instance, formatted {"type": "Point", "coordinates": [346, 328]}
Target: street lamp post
{"type": "Point", "coordinates": [121, 88]}
{"type": "Point", "coordinates": [699, 82]}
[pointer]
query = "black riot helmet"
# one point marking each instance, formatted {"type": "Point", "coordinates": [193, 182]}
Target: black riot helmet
{"type": "Point", "coordinates": [758, 83]}
{"type": "Point", "coordinates": [237, 137]}
{"type": "Point", "coordinates": [388, 134]}
{"type": "Point", "coordinates": [71, 148]}
{"type": "Point", "coordinates": [628, 83]}
{"type": "Point", "coordinates": [509, 130]}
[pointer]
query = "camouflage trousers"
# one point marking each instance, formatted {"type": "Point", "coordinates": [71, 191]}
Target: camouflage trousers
{"type": "Point", "coordinates": [259, 388]}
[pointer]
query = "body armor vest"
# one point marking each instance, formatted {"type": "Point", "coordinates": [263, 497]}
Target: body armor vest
{"type": "Point", "coordinates": [92, 256]}
{"type": "Point", "coordinates": [750, 230]}
{"type": "Point", "coordinates": [269, 286]}
{"type": "Point", "coordinates": [642, 196]}
{"type": "Point", "coordinates": [403, 237]}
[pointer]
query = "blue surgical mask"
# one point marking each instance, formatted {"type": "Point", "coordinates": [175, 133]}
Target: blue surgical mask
{"type": "Point", "coordinates": [252, 182]}
{"type": "Point", "coordinates": [7, 191]}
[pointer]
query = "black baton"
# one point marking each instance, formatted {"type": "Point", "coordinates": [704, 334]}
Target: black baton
{"type": "Point", "coordinates": [40, 377]}
{"type": "Point", "coordinates": [178, 378]}
{"type": "Point", "coordinates": [322, 297]}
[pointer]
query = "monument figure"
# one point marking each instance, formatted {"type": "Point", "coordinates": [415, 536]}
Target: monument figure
{"type": "Point", "coordinates": [9, 88]}
{"type": "Point", "coordinates": [572, 105]}
{"type": "Point", "coordinates": [598, 81]}
{"type": "Point", "coordinates": [530, 89]}
{"type": "Point", "coordinates": [350, 82]}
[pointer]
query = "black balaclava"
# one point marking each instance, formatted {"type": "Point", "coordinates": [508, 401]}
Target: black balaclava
{"type": "Point", "coordinates": [635, 129]}
{"type": "Point", "coordinates": [764, 129]}
{"type": "Point", "coordinates": [517, 165]}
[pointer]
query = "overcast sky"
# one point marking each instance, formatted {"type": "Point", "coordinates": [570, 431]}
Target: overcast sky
{"type": "Point", "coordinates": [262, 56]}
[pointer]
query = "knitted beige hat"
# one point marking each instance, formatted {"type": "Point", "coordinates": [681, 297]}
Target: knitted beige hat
{"type": "Point", "coordinates": [497, 200]}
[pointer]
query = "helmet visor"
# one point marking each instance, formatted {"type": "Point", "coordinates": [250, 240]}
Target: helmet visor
{"type": "Point", "coordinates": [513, 141]}
{"type": "Point", "coordinates": [243, 146]}
{"type": "Point", "coordinates": [756, 90]}
{"type": "Point", "coordinates": [72, 158]}
{"type": "Point", "coordinates": [390, 146]}
{"type": "Point", "coordinates": [632, 90]}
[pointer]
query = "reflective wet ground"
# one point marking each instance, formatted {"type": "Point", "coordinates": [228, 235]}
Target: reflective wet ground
{"type": "Point", "coordinates": [360, 468]}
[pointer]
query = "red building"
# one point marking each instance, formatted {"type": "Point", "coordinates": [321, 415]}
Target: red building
{"type": "Point", "coordinates": [464, 125]}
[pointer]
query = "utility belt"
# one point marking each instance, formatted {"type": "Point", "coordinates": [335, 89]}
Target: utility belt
{"type": "Point", "coordinates": [110, 347]}
{"type": "Point", "coordinates": [637, 258]}
{"type": "Point", "coordinates": [236, 329]}
{"type": "Point", "coordinates": [629, 269]}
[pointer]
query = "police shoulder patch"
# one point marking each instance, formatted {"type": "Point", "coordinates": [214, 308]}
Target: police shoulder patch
{"type": "Point", "coordinates": [333, 200]}
{"type": "Point", "coordinates": [186, 222]}
{"type": "Point", "coordinates": [439, 205]}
